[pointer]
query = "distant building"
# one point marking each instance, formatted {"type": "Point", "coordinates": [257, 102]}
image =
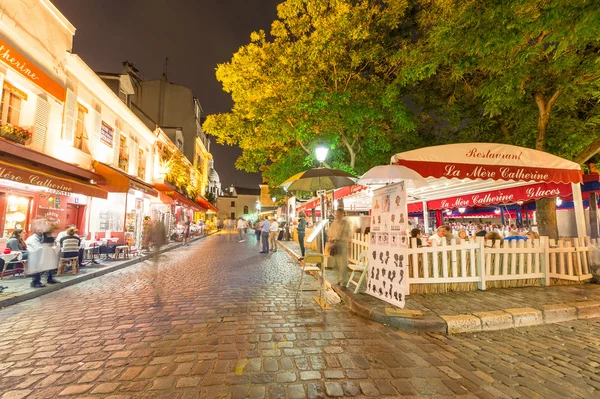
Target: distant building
{"type": "Point", "coordinates": [214, 182]}
{"type": "Point", "coordinates": [238, 201]}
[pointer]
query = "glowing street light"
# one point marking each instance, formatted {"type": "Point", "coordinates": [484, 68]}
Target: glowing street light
{"type": "Point", "coordinates": [462, 209]}
{"type": "Point", "coordinates": [321, 153]}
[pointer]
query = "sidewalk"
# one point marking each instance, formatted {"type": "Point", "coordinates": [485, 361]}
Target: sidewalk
{"type": "Point", "coordinates": [19, 288]}
{"type": "Point", "coordinates": [473, 311]}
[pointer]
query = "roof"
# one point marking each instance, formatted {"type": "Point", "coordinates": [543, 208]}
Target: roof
{"type": "Point", "coordinates": [247, 191]}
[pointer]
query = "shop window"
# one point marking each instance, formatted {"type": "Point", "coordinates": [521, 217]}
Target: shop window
{"type": "Point", "coordinates": [17, 211]}
{"type": "Point", "coordinates": [141, 164]}
{"type": "Point", "coordinates": [245, 209]}
{"type": "Point", "coordinates": [81, 136]}
{"type": "Point", "coordinates": [123, 154]}
{"type": "Point", "coordinates": [10, 108]}
{"type": "Point", "coordinates": [232, 204]}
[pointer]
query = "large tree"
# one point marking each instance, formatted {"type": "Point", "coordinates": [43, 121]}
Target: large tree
{"type": "Point", "coordinates": [523, 72]}
{"type": "Point", "coordinates": [319, 78]}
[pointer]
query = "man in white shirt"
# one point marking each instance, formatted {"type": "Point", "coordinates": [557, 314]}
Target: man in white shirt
{"type": "Point", "coordinates": [273, 231]}
{"type": "Point", "coordinates": [240, 228]}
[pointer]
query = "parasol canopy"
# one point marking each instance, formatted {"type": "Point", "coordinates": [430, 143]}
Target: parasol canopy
{"type": "Point", "coordinates": [317, 179]}
{"type": "Point", "coordinates": [387, 174]}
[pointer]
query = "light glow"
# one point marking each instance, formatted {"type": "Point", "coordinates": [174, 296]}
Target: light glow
{"type": "Point", "coordinates": [321, 153]}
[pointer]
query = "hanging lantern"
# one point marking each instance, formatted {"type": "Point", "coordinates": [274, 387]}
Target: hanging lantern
{"type": "Point", "coordinates": [497, 211]}
{"type": "Point", "coordinates": [462, 209]}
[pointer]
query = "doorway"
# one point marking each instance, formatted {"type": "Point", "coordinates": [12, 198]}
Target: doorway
{"type": "Point", "coordinates": [75, 214]}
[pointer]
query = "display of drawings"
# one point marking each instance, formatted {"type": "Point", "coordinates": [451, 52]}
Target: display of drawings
{"type": "Point", "coordinates": [388, 249]}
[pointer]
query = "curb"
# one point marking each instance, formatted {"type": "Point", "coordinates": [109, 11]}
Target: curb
{"type": "Point", "coordinates": [471, 322]}
{"type": "Point", "coordinates": [88, 276]}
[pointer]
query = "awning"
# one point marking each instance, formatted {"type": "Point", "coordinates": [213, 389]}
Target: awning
{"type": "Point", "coordinates": [489, 161]}
{"type": "Point", "coordinates": [203, 202]}
{"type": "Point", "coordinates": [182, 200]}
{"type": "Point", "coordinates": [118, 181]}
{"type": "Point", "coordinates": [504, 196]}
{"type": "Point", "coordinates": [43, 177]}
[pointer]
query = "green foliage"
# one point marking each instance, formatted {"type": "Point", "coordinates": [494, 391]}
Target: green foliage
{"type": "Point", "coordinates": [320, 78]}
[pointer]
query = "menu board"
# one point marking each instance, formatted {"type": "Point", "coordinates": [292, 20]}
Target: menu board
{"type": "Point", "coordinates": [388, 249]}
{"type": "Point", "coordinates": [106, 134]}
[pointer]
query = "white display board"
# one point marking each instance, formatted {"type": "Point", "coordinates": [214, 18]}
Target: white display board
{"type": "Point", "coordinates": [388, 249]}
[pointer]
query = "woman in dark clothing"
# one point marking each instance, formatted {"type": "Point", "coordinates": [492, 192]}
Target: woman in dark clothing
{"type": "Point", "coordinates": [416, 233]}
{"type": "Point", "coordinates": [301, 232]}
{"type": "Point", "coordinates": [17, 242]}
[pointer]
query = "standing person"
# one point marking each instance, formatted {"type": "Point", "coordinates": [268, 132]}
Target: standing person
{"type": "Point", "coordinates": [274, 230]}
{"type": "Point", "coordinates": [301, 233]}
{"type": "Point", "coordinates": [240, 227]}
{"type": "Point", "coordinates": [42, 256]}
{"type": "Point", "coordinates": [264, 232]}
{"type": "Point", "coordinates": [338, 236]}
{"type": "Point", "coordinates": [186, 233]}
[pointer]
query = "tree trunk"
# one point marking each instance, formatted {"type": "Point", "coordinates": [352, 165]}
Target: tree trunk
{"type": "Point", "coordinates": [546, 217]}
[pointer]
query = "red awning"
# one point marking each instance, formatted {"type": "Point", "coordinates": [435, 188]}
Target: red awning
{"type": "Point", "coordinates": [118, 181]}
{"type": "Point", "coordinates": [348, 190]}
{"type": "Point", "coordinates": [205, 204]}
{"type": "Point", "coordinates": [489, 161]}
{"type": "Point", "coordinates": [506, 196]}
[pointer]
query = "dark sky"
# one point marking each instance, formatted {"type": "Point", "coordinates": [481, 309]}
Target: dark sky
{"type": "Point", "coordinates": [196, 35]}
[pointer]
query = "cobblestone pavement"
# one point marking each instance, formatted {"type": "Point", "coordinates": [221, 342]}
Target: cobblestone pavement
{"type": "Point", "coordinates": [218, 320]}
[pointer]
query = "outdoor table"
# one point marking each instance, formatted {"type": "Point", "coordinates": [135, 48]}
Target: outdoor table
{"type": "Point", "coordinates": [7, 258]}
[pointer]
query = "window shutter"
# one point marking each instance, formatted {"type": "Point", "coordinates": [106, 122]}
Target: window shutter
{"type": "Point", "coordinates": [1, 82]}
{"type": "Point", "coordinates": [116, 143]}
{"type": "Point", "coordinates": [69, 117]}
{"type": "Point", "coordinates": [40, 127]}
{"type": "Point", "coordinates": [95, 139]}
{"type": "Point", "coordinates": [133, 158]}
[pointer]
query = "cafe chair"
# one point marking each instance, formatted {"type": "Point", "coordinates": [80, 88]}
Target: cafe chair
{"type": "Point", "coordinates": [69, 256]}
{"type": "Point", "coordinates": [361, 267]}
{"type": "Point", "coordinates": [311, 263]}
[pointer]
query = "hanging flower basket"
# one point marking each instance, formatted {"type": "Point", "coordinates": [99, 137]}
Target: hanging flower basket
{"type": "Point", "coordinates": [15, 134]}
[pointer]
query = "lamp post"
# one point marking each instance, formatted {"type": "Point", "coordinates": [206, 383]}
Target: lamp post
{"type": "Point", "coordinates": [286, 231]}
{"type": "Point", "coordinates": [321, 155]}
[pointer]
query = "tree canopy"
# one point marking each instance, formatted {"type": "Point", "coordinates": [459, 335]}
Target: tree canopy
{"type": "Point", "coordinates": [319, 78]}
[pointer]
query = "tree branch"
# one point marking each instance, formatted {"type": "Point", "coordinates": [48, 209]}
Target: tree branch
{"type": "Point", "coordinates": [552, 100]}
{"type": "Point", "coordinates": [503, 127]}
{"type": "Point", "coordinates": [592, 149]}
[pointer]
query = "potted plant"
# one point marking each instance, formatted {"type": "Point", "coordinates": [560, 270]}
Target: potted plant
{"type": "Point", "coordinates": [15, 134]}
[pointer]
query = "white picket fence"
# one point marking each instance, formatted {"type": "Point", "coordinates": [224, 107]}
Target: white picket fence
{"type": "Point", "coordinates": [537, 262]}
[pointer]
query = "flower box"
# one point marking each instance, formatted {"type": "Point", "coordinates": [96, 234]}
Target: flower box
{"type": "Point", "coordinates": [15, 134]}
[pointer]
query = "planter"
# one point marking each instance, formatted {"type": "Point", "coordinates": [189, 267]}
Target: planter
{"type": "Point", "coordinates": [15, 134]}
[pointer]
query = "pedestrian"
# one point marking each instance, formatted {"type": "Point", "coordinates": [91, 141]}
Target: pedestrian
{"type": "Point", "coordinates": [186, 233]}
{"type": "Point", "coordinates": [257, 228]}
{"type": "Point", "coordinates": [338, 237]}
{"type": "Point", "coordinates": [274, 230]}
{"type": "Point", "coordinates": [240, 227]}
{"type": "Point", "coordinates": [264, 232]}
{"type": "Point", "coordinates": [42, 256]}
{"type": "Point", "coordinates": [301, 229]}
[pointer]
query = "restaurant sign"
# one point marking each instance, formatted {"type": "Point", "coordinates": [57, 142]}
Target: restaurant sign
{"type": "Point", "coordinates": [508, 196]}
{"type": "Point", "coordinates": [51, 183]}
{"type": "Point", "coordinates": [21, 65]}
{"type": "Point", "coordinates": [106, 134]}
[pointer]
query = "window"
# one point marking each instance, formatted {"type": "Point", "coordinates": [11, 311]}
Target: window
{"type": "Point", "coordinates": [141, 164]}
{"type": "Point", "coordinates": [232, 204]}
{"type": "Point", "coordinates": [10, 109]}
{"type": "Point", "coordinates": [245, 209]}
{"type": "Point", "coordinates": [81, 136]}
{"type": "Point", "coordinates": [233, 215]}
{"type": "Point", "coordinates": [123, 158]}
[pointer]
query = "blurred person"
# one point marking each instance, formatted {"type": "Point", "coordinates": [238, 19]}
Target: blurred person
{"type": "Point", "coordinates": [462, 235]}
{"type": "Point", "coordinates": [480, 232]}
{"type": "Point", "coordinates": [416, 233]}
{"type": "Point", "coordinates": [273, 232]}
{"type": "Point", "coordinates": [240, 227]}
{"type": "Point", "coordinates": [491, 238]}
{"type": "Point", "coordinates": [42, 257]}
{"type": "Point", "coordinates": [532, 236]}
{"type": "Point", "coordinates": [16, 242]}
{"type": "Point", "coordinates": [186, 232]}
{"type": "Point", "coordinates": [301, 229]}
{"type": "Point", "coordinates": [338, 236]}
{"type": "Point", "coordinates": [264, 232]}
{"type": "Point", "coordinates": [70, 243]}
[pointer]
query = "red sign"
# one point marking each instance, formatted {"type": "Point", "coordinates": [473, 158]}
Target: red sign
{"type": "Point", "coordinates": [19, 63]}
{"type": "Point", "coordinates": [55, 184]}
{"type": "Point", "coordinates": [492, 172]}
{"type": "Point", "coordinates": [508, 196]}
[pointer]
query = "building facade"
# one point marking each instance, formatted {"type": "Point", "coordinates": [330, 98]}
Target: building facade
{"type": "Point", "coordinates": [239, 201]}
{"type": "Point", "coordinates": [71, 149]}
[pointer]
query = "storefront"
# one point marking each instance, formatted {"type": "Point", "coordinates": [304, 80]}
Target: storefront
{"type": "Point", "coordinates": [121, 215]}
{"type": "Point", "coordinates": [35, 185]}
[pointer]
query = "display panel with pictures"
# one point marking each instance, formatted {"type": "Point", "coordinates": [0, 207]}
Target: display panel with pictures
{"type": "Point", "coordinates": [388, 250]}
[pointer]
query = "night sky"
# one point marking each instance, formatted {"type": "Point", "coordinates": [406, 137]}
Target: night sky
{"type": "Point", "coordinates": [195, 35]}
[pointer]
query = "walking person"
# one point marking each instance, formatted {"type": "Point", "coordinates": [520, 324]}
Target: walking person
{"type": "Point", "coordinates": [42, 256]}
{"type": "Point", "coordinates": [301, 233]}
{"type": "Point", "coordinates": [264, 232]}
{"type": "Point", "coordinates": [338, 238]}
{"type": "Point", "coordinates": [240, 226]}
{"type": "Point", "coordinates": [186, 233]}
{"type": "Point", "coordinates": [273, 232]}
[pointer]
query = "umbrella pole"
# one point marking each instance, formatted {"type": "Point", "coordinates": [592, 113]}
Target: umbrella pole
{"type": "Point", "coordinates": [321, 298]}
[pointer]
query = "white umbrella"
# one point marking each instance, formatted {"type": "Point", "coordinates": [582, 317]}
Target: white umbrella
{"type": "Point", "coordinates": [386, 174]}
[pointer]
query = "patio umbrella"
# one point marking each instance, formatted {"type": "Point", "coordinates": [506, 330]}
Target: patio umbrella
{"type": "Point", "coordinates": [319, 179]}
{"type": "Point", "coordinates": [386, 174]}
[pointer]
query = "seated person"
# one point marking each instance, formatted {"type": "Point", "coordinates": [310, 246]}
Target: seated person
{"type": "Point", "coordinates": [416, 233]}
{"type": "Point", "coordinates": [515, 236]}
{"type": "Point", "coordinates": [17, 243]}
{"type": "Point", "coordinates": [69, 244]}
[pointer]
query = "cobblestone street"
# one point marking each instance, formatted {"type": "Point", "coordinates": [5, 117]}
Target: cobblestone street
{"type": "Point", "coordinates": [218, 320]}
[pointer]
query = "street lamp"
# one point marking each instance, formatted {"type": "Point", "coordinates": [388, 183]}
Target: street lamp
{"type": "Point", "coordinates": [321, 153]}
{"type": "Point", "coordinates": [462, 209]}
{"type": "Point", "coordinates": [559, 201]}
{"type": "Point", "coordinates": [273, 199]}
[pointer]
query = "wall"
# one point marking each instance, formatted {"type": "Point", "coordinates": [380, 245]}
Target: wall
{"type": "Point", "coordinates": [225, 208]}
{"type": "Point", "coordinates": [565, 219]}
